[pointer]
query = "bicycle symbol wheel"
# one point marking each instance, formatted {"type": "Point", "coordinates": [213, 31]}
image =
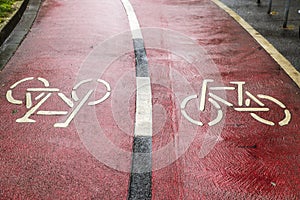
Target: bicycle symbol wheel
{"type": "Point", "coordinates": [92, 103]}
{"type": "Point", "coordinates": [287, 113]}
{"type": "Point", "coordinates": [46, 92]}
{"type": "Point", "coordinates": [197, 122]}
{"type": "Point", "coordinates": [9, 94]}
{"type": "Point", "coordinates": [215, 104]}
{"type": "Point", "coordinates": [84, 99]}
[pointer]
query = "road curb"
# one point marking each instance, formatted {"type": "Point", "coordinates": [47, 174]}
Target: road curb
{"type": "Point", "coordinates": [13, 21]}
{"type": "Point", "coordinates": [285, 64]}
{"type": "Point", "coordinates": [13, 33]}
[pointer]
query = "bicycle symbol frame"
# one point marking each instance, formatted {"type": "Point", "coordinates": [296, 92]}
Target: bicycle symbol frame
{"type": "Point", "coordinates": [46, 92]}
{"type": "Point", "coordinates": [215, 100]}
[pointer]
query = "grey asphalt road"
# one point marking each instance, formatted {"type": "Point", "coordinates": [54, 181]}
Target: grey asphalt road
{"type": "Point", "coordinates": [270, 26]}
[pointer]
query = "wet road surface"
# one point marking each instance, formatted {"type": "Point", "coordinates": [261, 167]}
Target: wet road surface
{"type": "Point", "coordinates": [286, 40]}
{"type": "Point", "coordinates": [98, 104]}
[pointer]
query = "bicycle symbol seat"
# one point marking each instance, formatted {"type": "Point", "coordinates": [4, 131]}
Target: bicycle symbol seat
{"type": "Point", "coordinates": [46, 92]}
{"type": "Point", "coordinates": [215, 100]}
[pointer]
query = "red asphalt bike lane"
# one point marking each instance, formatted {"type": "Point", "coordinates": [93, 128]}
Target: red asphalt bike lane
{"type": "Point", "coordinates": [243, 158]}
{"type": "Point", "coordinates": [248, 159]}
{"type": "Point", "coordinates": [37, 160]}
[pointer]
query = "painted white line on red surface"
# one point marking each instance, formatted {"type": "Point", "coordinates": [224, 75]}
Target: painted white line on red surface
{"type": "Point", "coordinates": [43, 90]}
{"type": "Point", "coordinates": [133, 21]}
{"type": "Point", "coordinates": [220, 99]}
{"type": "Point", "coordinates": [28, 100]}
{"type": "Point", "coordinates": [240, 91]}
{"type": "Point", "coordinates": [252, 109]}
{"type": "Point", "coordinates": [66, 99]}
{"type": "Point", "coordinates": [143, 118]}
{"type": "Point", "coordinates": [141, 167]}
{"type": "Point", "coordinates": [39, 96]}
{"type": "Point", "coordinates": [222, 88]}
{"type": "Point", "coordinates": [75, 111]}
{"type": "Point", "coordinates": [10, 98]}
{"type": "Point", "coordinates": [21, 81]}
{"type": "Point", "coordinates": [143, 121]}
{"type": "Point", "coordinates": [262, 96]}
{"type": "Point", "coordinates": [254, 99]}
{"type": "Point", "coordinates": [264, 121]}
{"type": "Point", "coordinates": [220, 113]}
{"type": "Point", "coordinates": [25, 118]}
{"type": "Point", "coordinates": [287, 119]}
{"type": "Point", "coordinates": [44, 112]}
{"type": "Point", "coordinates": [46, 83]}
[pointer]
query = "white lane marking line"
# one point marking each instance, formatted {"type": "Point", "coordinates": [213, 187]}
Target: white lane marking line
{"type": "Point", "coordinates": [42, 112]}
{"type": "Point", "coordinates": [25, 118]}
{"type": "Point", "coordinates": [143, 118]}
{"type": "Point", "coordinates": [143, 115]}
{"type": "Point", "coordinates": [252, 109]}
{"type": "Point", "coordinates": [42, 90]}
{"type": "Point", "coordinates": [254, 99]}
{"type": "Point", "coordinates": [21, 81]}
{"type": "Point", "coordinates": [10, 98]}
{"type": "Point", "coordinates": [287, 118]}
{"type": "Point", "coordinates": [203, 94]}
{"type": "Point", "coordinates": [133, 21]}
{"type": "Point", "coordinates": [271, 99]}
{"type": "Point", "coordinates": [46, 83]}
{"type": "Point", "coordinates": [273, 52]}
{"type": "Point", "coordinates": [75, 111]}
{"type": "Point", "coordinates": [222, 88]}
{"type": "Point", "coordinates": [220, 113]}
{"type": "Point", "coordinates": [39, 96]}
{"type": "Point", "coordinates": [240, 91]}
{"type": "Point", "coordinates": [220, 99]}
{"type": "Point", "coordinates": [264, 121]}
{"type": "Point", "coordinates": [28, 100]}
{"type": "Point", "coordinates": [66, 99]}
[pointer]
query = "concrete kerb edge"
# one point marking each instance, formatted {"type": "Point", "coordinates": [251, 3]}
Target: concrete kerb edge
{"type": "Point", "coordinates": [289, 69]}
{"type": "Point", "coordinates": [7, 31]}
{"type": "Point", "coordinates": [13, 21]}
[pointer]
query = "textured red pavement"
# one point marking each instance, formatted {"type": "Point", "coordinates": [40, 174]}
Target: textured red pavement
{"type": "Point", "coordinates": [38, 161]}
{"type": "Point", "coordinates": [249, 161]}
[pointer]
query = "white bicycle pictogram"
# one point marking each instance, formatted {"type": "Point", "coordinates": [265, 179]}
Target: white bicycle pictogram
{"type": "Point", "coordinates": [46, 92]}
{"type": "Point", "coordinates": [215, 100]}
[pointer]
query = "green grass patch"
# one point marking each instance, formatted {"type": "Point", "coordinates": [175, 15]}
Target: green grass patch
{"type": "Point", "coordinates": [7, 8]}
